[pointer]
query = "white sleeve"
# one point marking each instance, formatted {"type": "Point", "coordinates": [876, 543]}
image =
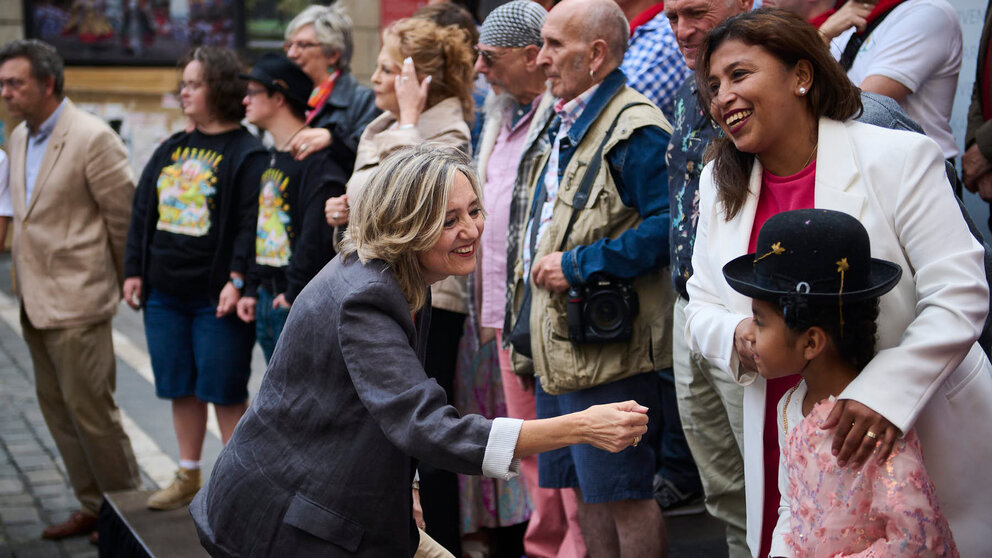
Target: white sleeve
{"type": "Point", "coordinates": [710, 324]}
{"type": "Point", "coordinates": [6, 208]}
{"type": "Point", "coordinates": [951, 292]}
{"type": "Point", "coordinates": [783, 526]}
{"type": "Point", "coordinates": [925, 41]}
{"type": "Point", "coordinates": [498, 461]}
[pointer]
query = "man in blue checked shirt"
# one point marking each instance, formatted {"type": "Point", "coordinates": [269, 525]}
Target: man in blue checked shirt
{"type": "Point", "coordinates": [653, 64]}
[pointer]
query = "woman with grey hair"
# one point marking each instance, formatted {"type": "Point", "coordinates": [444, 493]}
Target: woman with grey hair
{"type": "Point", "coordinates": [323, 462]}
{"type": "Point", "coordinates": [319, 41]}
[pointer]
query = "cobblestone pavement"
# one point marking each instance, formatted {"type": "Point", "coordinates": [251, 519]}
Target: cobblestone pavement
{"type": "Point", "coordinates": [34, 490]}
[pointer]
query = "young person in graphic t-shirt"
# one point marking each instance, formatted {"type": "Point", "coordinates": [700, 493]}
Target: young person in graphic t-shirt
{"type": "Point", "coordinates": [192, 228]}
{"type": "Point", "coordinates": [292, 238]}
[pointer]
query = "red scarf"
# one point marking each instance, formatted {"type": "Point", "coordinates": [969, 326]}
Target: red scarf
{"type": "Point", "coordinates": [882, 7]}
{"type": "Point", "coordinates": [646, 16]}
{"type": "Point", "coordinates": [320, 94]}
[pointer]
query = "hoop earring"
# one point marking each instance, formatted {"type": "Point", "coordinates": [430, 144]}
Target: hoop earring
{"type": "Point", "coordinates": [802, 90]}
{"type": "Point", "coordinates": [591, 76]}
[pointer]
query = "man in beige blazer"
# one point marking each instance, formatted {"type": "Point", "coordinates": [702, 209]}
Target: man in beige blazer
{"type": "Point", "coordinates": [71, 188]}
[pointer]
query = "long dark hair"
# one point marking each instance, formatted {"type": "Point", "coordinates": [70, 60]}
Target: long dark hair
{"type": "Point", "coordinates": [790, 39]}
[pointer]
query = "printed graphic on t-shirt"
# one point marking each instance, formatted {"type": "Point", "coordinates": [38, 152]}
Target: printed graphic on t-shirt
{"type": "Point", "coordinates": [273, 229]}
{"type": "Point", "coordinates": [186, 191]}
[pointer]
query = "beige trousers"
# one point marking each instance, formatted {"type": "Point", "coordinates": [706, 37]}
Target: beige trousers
{"type": "Point", "coordinates": [75, 377]}
{"type": "Point", "coordinates": [711, 408]}
{"type": "Point", "coordinates": [429, 548]}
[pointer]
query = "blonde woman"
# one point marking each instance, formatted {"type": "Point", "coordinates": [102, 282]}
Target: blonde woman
{"type": "Point", "coordinates": [322, 462]}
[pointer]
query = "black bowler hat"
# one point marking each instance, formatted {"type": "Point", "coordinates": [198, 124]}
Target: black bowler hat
{"type": "Point", "coordinates": [279, 74]}
{"type": "Point", "coordinates": [821, 254]}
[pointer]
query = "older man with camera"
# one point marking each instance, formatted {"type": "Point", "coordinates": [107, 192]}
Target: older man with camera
{"type": "Point", "coordinates": [592, 305]}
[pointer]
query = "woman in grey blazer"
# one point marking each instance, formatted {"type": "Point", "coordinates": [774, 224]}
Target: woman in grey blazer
{"type": "Point", "coordinates": [323, 461]}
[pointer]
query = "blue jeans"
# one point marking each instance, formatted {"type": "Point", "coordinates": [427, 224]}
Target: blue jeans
{"type": "Point", "coordinates": [602, 476]}
{"type": "Point", "coordinates": [269, 322]}
{"type": "Point", "coordinates": [193, 352]}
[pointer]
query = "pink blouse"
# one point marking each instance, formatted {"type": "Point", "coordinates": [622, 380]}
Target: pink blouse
{"type": "Point", "coordinates": [887, 508]}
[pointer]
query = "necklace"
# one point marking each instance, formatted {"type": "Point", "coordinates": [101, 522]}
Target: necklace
{"type": "Point", "coordinates": [785, 408]}
{"type": "Point", "coordinates": [273, 150]}
{"type": "Point", "coordinates": [811, 153]}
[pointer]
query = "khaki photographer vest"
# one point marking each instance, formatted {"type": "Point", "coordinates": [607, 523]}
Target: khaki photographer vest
{"type": "Point", "coordinates": [561, 365]}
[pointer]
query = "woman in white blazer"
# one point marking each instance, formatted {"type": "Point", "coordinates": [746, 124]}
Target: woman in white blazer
{"type": "Point", "coordinates": [773, 88]}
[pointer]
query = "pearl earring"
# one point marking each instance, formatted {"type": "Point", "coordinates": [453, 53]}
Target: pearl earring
{"type": "Point", "coordinates": [802, 90]}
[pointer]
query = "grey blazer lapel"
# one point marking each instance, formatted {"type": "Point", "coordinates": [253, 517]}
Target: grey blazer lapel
{"type": "Point", "coordinates": [52, 153]}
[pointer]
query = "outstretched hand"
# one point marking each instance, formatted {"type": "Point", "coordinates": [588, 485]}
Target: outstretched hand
{"type": "Point", "coordinates": [615, 426]}
{"type": "Point", "coordinates": [852, 442]}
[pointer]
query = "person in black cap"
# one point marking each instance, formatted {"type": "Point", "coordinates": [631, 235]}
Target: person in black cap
{"type": "Point", "coordinates": [815, 289]}
{"type": "Point", "coordinates": [292, 238]}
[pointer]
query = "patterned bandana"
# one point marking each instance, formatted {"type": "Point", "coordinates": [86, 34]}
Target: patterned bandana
{"type": "Point", "coordinates": [514, 24]}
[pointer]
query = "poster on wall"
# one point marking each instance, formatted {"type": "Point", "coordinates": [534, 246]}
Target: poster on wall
{"type": "Point", "coordinates": [133, 32]}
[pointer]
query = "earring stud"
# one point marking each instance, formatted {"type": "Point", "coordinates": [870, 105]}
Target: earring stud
{"type": "Point", "coordinates": [802, 90]}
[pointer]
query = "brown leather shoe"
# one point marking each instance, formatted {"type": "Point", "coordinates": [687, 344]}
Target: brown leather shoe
{"type": "Point", "coordinates": [79, 523]}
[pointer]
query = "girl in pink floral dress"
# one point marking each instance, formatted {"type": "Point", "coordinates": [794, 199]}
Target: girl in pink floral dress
{"type": "Point", "coordinates": [815, 291]}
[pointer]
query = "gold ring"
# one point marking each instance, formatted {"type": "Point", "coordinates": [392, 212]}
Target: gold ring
{"type": "Point", "coordinates": [636, 439]}
{"type": "Point", "coordinates": [871, 435]}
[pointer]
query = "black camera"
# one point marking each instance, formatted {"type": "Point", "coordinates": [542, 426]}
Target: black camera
{"type": "Point", "coordinates": [602, 310]}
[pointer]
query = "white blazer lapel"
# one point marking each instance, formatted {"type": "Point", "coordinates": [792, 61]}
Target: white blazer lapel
{"type": "Point", "coordinates": [837, 171]}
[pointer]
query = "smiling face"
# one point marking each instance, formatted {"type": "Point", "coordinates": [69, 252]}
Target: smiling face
{"type": "Point", "coordinates": [756, 99]}
{"type": "Point", "coordinates": [778, 350]}
{"type": "Point", "coordinates": [455, 251]}
{"type": "Point", "coordinates": [691, 20]}
{"type": "Point", "coordinates": [384, 82]}
{"type": "Point", "coordinates": [308, 53]}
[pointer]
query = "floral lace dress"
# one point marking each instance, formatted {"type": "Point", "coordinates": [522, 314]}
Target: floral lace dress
{"type": "Point", "coordinates": [885, 509]}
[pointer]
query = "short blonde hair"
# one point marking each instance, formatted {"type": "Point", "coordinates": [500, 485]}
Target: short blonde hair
{"type": "Point", "coordinates": [444, 53]}
{"type": "Point", "coordinates": [401, 212]}
{"type": "Point", "coordinates": [333, 28]}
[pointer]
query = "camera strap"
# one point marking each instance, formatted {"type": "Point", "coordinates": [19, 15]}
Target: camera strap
{"type": "Point", "coordinates": [581, 197]}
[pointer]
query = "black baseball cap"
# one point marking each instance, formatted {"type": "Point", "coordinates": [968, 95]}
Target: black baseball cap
{"type": "Point", "coordinates": [279, 74]}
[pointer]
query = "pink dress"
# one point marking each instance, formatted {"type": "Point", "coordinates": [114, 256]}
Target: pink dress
{"type": "Point", "coordinates": [887, 508]}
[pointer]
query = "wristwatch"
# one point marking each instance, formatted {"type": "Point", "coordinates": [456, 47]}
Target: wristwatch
{"type": "Point", "coordinates": [238, 283]}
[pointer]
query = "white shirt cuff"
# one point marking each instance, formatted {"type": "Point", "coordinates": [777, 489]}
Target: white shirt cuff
{"type": "Point", "coordinates": [498, 462]}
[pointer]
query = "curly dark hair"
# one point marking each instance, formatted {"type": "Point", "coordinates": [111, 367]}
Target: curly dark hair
{"type": "Point", "coordinates": [852, 327]}
{"type": "Point", "coordinates": [225, 90]}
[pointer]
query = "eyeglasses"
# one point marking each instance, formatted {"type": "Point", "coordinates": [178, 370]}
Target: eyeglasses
{"type": "Point", "coordinates": [251, 93]}
{"type": "Point", "coordinates": [12, 83]}
{"type": "Point", "coordinates": [490, 56]}
{"type": "Point", "coordinates": [190, 84]}
{"type": "Point", "coordinates": [300, 45]}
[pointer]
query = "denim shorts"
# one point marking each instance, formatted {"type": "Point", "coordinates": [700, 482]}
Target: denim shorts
{"type": "Point", "coordinates": [603, 476]}
{"type": "Point", "coordinates": [193, 352]}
